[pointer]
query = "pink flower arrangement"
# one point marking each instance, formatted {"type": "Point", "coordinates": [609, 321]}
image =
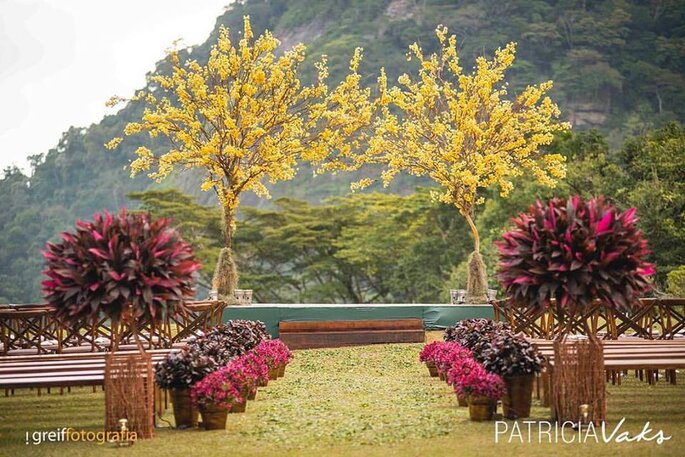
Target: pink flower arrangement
{"type": "Point", "coordinates": [219, 389]}
{"type": "Point", "coordinates": [256, 365]}
{"type": "Point", "coordinates": [428, 352]}
{"type": "Point", "coordinates": [448, 354]}
{"type": "Point", "coordinates": [473, 380]}
{"type": "Point", "coordinates": [242, 375]}
{"type": "Point", "coordinates": [274, 352]}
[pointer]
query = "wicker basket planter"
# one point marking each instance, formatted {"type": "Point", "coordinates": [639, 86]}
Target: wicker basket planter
{"type": "Point", "coordinates": [432, 369]}
{"type": "Point", "coordinates": [516, 402]}
{"type": "Point", "coordinates": [185, 415]}
{"type": "Point", "coordinates": [213, 418]}
{"type": "Point", "coordinates": [281, 371]}
{"type": "Point", "coordinates": [482, 408]}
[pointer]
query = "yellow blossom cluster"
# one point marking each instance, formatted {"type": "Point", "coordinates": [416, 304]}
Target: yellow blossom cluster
{"type": "Point", "coordinates": [244, 117]}
{"type": "Point", "coordinates": [460, 129]}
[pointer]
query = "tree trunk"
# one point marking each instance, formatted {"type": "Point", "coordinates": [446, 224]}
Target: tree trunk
{"type": "Point", "coordinates": [477, 280]}
{"type": "Point", "coordinates": [226, 275]}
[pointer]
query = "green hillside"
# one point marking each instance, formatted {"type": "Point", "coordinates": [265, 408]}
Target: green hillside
{"type": "Point", "coordinates": [617, 65]}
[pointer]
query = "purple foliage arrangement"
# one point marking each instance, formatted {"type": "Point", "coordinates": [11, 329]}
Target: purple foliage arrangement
{"type": "Point", "coordinates": [119, 264]}
{"type": "Point", "coordinates": [574, 252]}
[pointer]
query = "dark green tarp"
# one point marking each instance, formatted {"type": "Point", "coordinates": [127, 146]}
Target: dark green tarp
{"type": "Point", "coordinates": [434, 316]}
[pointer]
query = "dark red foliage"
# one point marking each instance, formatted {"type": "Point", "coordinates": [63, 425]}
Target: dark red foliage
{"type": "Point", "coordinates": [574, 252]}
{"type": "Point", "coordinates": [115, 261]}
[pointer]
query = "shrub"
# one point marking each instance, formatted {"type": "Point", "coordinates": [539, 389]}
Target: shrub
{"type": "Point", "coordinates": [574, 252]}
{"type": "Point", "coordinates": [509, 355]}
{"type": "Point", "coordinates": [469, 332]}
{"type": "Point", "coordinates": [218, 389]}
{"type": "Point", "coordinates": [428, 352]}
{"type": "Point", "coordinates": [242, 375]}
{"type": "Point", "coordinates": [474, 380]}
{"type": "Point", "coordinates": [448, 354]}
{"type": "Point", "coordinates": [675, 282]}
{"type": "Point", "coordinates": [274, 353]}
{"type": "Point", "coordinates": [257, 365]}
{"type": "Point", "coordinates": [232, 339]}
{"type": "Point", "coordinates": [182, 369]}
{"type": "Point", "coordinates": [117, 262]}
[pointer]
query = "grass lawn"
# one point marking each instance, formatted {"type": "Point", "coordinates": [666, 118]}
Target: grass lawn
{"type": "Point", "coordinates": [371, 401]}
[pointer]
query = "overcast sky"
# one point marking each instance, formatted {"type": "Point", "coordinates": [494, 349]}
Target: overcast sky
{"type": "Point", "coordinates": [60, 60]}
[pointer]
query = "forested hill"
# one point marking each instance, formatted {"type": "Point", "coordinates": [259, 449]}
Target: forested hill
{"type": "Point", "coordinates": [617, 65]}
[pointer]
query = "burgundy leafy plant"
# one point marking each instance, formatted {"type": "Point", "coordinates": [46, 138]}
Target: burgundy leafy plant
{"type": "Point", "coordinates": [470, 332]}
{"type": "Point", "coordinates": [119, 264]}
{"type": "Point", "coordinates": [476, 381]}
{"type": "Point", "coordinates": [232, 339]}
{"type": "Point", "coordinates": [574, 252]}
{"type": "Point", "coordinates": [509, 355]}
{"type": "Point", "coordinates": [182, 369]}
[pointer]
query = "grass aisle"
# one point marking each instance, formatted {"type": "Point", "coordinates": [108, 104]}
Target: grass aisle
{"type": "Point", "coordinates": [375, 400]}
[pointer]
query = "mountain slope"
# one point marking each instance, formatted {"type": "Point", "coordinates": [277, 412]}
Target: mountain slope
{"type": "Point", "coordinates": [618, 65]}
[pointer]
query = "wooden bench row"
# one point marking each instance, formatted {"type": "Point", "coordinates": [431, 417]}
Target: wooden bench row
{"type": "Point", "coordinates": [59, 370]}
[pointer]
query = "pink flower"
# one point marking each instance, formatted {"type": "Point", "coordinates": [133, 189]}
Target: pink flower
{"type": "Point", "coordinates": [471, 379]}
{"type": "Point", "coordinates": [218, 389]}
{"type": "Point", "coordinates": [274, 353]}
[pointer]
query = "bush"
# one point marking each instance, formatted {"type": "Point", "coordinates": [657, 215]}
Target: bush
{"type": "Point", "coordinates": [469, 332]}
{"type": "Point", "coordinates": [675, 282]}
{"type": "Point", "coordinates": [509, 355]}
{"type": "Point", "coordinates": [117, 262]}
{"type": "Point", "coordinates": [471, 379]}
{"type": "Point", "coordinates": [232, 339]}
{"type": "Point", "coordinates": [182, 369]}
{"type": "Point", "coordinates": [574, 252]}
{"type": "Point", "coordinates": [219, 389]}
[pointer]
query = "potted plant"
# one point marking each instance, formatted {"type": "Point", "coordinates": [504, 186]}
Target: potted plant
{"type": "Point", "coordinates": [575, 257]}
{"type": "Point", "coordinates": [230, 340]}
{"type": "Point", "coordinates": [449, 354]}
{"type": "Point", "coordinates": [244, 378]}
{"type": "Point", "coordinates": [259, 369]}
{"type": "Point", "coordinates": [482, 389]}
{"type": "Point", "coordinates": [457, 370]}
{"type": "Point", "coordinates": [517, 361]}
{"type": "Point", "coordinates": [469, 332]}
{"type": "Point", "coordinates": [427, 355]}
{"type": "Point", "coordinates": [134, 271]}
{"type": "Point", "coordinates": [214, 396]}
{"type": "Point", "coordinates": [276, 355]}
{"type": "Point", "coordinates": [178, 372]}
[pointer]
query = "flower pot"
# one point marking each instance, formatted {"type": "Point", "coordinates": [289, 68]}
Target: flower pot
{"type": "Point", "coordinates": [185, 415]}
{"type": "Point", "coordinates": [239, 407]}
{"type": "Point", "coordinates": [482, 408]}
{"type": "Point", "coordinates": [442, 375]}
{"type": "Point", "coordinates": [432, 369]}
{"type": "Point", "coordinates": [516, 402]}
{"type": "Point", "coordinates": [462, 400]}
{"type": "Point", "coordinates": [263, 382]}
{"type": "Point", "coordinates": [281, 371]}
{"type": "Point", "coordinates": [213, 418]}
{"type": "Point", "coordinates": [273, 373]}
{"type": "Point", "coordinates": [252, 394]}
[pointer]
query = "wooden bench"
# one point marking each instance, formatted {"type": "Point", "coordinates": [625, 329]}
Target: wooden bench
{"type": "Point", "coordinates": [326, 334]}
{"type": "Point", "coordinates": [59, 370]}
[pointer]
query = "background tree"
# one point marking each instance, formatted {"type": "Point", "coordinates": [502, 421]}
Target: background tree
{"type": "Point", "coordinates": [244, 118]}
{"type": "Point", "coordinates": [461, 131]}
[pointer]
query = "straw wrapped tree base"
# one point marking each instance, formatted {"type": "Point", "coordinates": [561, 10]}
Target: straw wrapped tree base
{"type": "Point", "coordinates": [129, 393]}
{"type": "Point", "coordinates": [578, 379]}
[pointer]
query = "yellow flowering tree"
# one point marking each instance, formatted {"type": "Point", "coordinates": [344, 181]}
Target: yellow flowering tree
{"type": "Point", "coordinates": [463, 132]}
{"type": "Point", "coordinates": [245, 118]}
